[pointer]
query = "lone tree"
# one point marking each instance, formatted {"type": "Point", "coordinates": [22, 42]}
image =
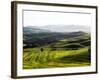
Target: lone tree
{"type": "Point", "coordinates": [42, 49]}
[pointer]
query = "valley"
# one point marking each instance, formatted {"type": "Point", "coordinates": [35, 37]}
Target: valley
{"type": "Point", "coordinates": [47, 49]}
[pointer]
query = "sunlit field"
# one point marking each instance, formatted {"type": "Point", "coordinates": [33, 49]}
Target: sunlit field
{"type": "Point", "coordinates": [60, 54]}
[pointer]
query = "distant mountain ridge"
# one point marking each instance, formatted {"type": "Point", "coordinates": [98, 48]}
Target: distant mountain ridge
{"type": "Point", "coordinates": [57, 28]}
{"type": "Point", "coordinates": [67, 28]}
{"type": "Point", "coordinates": [32, 29]}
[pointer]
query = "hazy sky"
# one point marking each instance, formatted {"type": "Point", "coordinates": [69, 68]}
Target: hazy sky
{"type": "Point", "coordinates": [37, 18]}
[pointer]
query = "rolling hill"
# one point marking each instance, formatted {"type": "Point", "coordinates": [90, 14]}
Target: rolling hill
{"type": "Point", "coordinates": [34, 37]}
{"type": "Point", "coordinates": [45, 48]}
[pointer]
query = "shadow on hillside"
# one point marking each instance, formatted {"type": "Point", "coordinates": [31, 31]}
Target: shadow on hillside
{"type": "Point", "coordinates": [78, 58]}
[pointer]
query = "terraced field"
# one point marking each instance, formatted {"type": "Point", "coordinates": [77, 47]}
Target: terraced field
{"type": "Point", "coordinates": [63, 53]}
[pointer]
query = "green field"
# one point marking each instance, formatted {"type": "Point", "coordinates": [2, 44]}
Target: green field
{"type": "Point", "coordinates": [59, 54]}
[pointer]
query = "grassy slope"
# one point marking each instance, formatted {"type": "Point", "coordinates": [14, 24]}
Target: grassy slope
{"type": "Point", "coordinates": [34, 58]}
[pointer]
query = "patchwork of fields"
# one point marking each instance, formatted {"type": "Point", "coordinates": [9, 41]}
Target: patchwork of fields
{"type": "Point", "coordinates": [63, 53]}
